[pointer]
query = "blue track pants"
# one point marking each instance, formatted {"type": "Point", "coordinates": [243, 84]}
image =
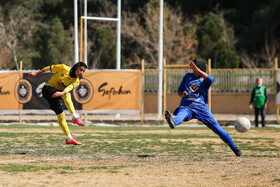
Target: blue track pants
{"type": "Point", "coordinates": [203, 114]}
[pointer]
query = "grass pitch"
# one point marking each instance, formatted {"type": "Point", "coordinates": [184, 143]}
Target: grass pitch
{"type": "Point", "coordinates": [137, 156]}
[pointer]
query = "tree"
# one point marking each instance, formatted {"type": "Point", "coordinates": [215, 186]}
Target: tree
{"type": "Point", "coordinates": [104, 49]}
{"type": "Point", "coordinates": [141, 34]}
{"type": "Point", "coordinates": [225, 55]}
{"type": "Point", "coordinates": [16, 28]}
{"type": "Point", "coordinates": [212, 42]}
{"type": "Point", "coordinates": [5, 56]}
{"type": "Point", "coordinates": [55, 45]}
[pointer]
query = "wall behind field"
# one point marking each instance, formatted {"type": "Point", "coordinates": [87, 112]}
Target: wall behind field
{"type": "Point", "coordinates": [222, 103]}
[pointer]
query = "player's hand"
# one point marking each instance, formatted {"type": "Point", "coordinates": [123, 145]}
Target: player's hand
{"type": "Point", "coordinates": [193, 66]}
{"type": "Point", "coordinates": [251, 106]}
{"type": "Point", "coordinates": [57, 94]}
{"type": "Point", "coordinates": [185, 94]}
{"type": "Point", "coordinates": [32, 74]}
{"type": "Point", "coordinates": [265, 105]}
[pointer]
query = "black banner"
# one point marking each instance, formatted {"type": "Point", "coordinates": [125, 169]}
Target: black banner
{"type": "Point", "coordinates": [37, 101]}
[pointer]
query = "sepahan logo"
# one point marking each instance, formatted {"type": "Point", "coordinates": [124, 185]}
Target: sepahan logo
{"type": "Point", "coordinates": [23, 91]}
{"type": "Point", "coordinates": [104, 90]}
{"type": "Point", "coordinates": [84, 92]}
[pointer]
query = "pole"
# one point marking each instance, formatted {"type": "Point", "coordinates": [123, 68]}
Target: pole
{"type": "Point", "coordinates": [164, 85]}
{"type": "Point", "coordinates": [209, 91]}
{"type": "Point", "coordinates": [20, 70]}
{"type": "Point", "coordinates": [142, 89]}
{"type": "Point", "coordinates": [118, 65]}
{"type": "Point", "coordinates": [81, 39]}
{"type": "Point", "coordinates": [76, 54]}
{"type": "Point", "coordinates": [275, 86]}
{"type": "Point", "coordinates": [275, 74]}
{"type": "Point", "coordinates": [160, 54]}
{"type": "Point", "coordinates": [85, 32]}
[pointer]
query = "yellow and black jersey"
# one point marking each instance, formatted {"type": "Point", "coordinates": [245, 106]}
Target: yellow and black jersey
{"type": "Point", "coordinates": [61, 79]}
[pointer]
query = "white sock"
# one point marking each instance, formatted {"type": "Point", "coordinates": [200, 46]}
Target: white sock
{"type": "Point", "coordinates": [75, 116]}
{"type": "Point", "coordinates": [69, 137]}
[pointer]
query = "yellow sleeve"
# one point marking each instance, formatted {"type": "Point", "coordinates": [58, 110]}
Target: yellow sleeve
{"type": "Point", "coordinates": [48, 68]}
{"type": "Point", "coordinates": [58, 68]}
{"type": "Point", "coordinates": [76, 83]}
{"type": "Point", "coordinates": [69, 88]}
{"type": "Point", "coordinates": [72, 86]}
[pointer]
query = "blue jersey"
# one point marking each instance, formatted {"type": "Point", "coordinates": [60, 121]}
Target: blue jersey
{"type": "Point", "coordinates": [197, 89]}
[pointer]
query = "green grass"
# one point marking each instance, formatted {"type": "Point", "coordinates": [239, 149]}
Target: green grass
{"type": "Point", "coordinates": [276, 180]}
{"type": "Point", "coordinates": [126, 151]}
{"type": "Point", "coordinates": [62, 169]}
{"type": "Point", "coordinates": [127, 141]}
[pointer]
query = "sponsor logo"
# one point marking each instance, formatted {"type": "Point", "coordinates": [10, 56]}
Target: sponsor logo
{"type": "Point", "coordinates": [23, 91]}
{"type": "Point", "coordinates": [2, 92]}
{"type": "Point", "coordinates": [112, 91]}
{"type": "Point", "coordinates": [194, 87]}
{"type": "Point", "coordinates": [84, 92]}
{"type": "Point", "coordinates": [39, 89]}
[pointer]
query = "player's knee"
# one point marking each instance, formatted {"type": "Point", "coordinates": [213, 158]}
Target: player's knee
{"type": "Point", "coordinates": [57, 109]}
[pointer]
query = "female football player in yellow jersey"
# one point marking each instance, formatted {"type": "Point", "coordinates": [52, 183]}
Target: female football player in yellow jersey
{"type": "Point", "coordinates": [58, 87]}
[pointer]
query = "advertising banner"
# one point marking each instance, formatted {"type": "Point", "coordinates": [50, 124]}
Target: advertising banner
{"type": "Point", "coordinates": [37, 101]}
{"type": "Point", "coordinates": [110, 91]}
{"type": "Point", "coordinates": [98, 92]}
{"type": "Point", "coordinates": [8, 86]}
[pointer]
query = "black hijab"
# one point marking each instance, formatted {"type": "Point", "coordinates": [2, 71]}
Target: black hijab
{"type": "Point", "coordinates": [73, 69]}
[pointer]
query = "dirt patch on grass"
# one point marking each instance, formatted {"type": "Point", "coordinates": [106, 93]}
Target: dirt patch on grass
{"type": "Point", "coordinates": [151, 171]}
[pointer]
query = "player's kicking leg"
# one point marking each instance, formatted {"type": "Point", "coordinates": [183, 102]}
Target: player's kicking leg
{"type": "Point", "coordinates": [206, 116]}
{"type": "Point", "coordinates": [78, 121]}
{"type": "Point", "coordinates": [69, 104]}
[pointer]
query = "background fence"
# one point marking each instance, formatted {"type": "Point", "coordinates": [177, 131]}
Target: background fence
{"type": "Point", "coordinates": [226, 80]}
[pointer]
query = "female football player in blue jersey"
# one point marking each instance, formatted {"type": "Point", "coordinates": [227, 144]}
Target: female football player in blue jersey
{"type": "Point", "coordinates": [194, 93]}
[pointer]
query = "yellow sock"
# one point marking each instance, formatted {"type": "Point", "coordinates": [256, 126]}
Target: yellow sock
{"type": "Point", "coordinates": [63, 124]}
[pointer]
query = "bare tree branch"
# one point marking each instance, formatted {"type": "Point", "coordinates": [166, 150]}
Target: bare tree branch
{"type": "Point", "coordinates": [16, 26]}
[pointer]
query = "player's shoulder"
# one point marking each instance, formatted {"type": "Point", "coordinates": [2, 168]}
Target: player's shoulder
{"type": "Point", "coordinates": [61, 67]}
{"type": "Point", "coordinates": [65, 66]}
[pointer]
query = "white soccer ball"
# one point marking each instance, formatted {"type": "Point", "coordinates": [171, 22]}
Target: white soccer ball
{"type": "Point", "coordinates": [242, 124]}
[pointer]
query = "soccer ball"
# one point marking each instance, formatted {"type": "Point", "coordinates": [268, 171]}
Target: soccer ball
{"type": "Point", "coordinates": [242, 124]}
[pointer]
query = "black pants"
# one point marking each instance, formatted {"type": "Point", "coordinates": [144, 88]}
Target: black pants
{"type": "Point", "coordinates": [262, 112]}
{"type": "Point", "coordinates": [55, 103]}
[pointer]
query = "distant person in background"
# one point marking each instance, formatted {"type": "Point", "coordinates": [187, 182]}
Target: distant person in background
{"type": "Point", "coordinates": [57, 88]}
{"type": "Point", "coordinates": [259, 100]}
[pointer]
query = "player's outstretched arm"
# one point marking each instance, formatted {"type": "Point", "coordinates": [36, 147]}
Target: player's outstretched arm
{"type": "Point", "coordinates": [33, 74]}
{"type": "Point", "coordinates": [197, 71]}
